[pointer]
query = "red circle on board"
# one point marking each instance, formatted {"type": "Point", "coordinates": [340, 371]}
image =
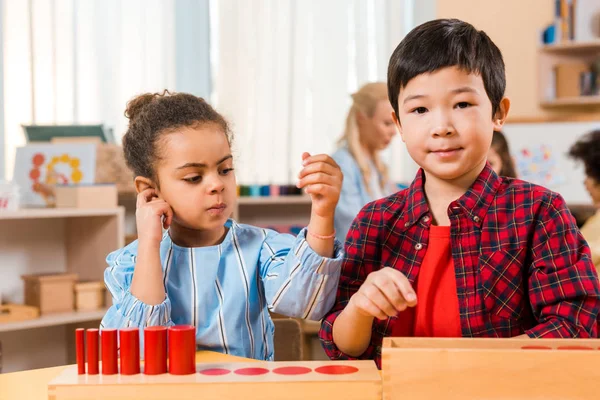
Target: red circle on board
{"type": "Point", "coordinates": [251, 371]}
{"type": "Point", "coordinates": [292, 370]}
{"type": "Point", "coordinates": [215, 371]}
{"type": "Point", "coordinates": [574, 348]}
{"type": "Point", "coordinates": [536, 348]}
{"type": "Point", "coordinates": [336, 369]}
{"type": "Point", "coordinates": [38, 159]}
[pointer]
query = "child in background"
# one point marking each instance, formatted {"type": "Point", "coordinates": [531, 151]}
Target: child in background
{"type": "Point", "coordinates": [462, 251]}
{"type": "Point", "coordinates": [500, 158]}
{"type": "Point", "coordinates": [587, 150]}
{"type": "Point", "coordinates": [207, 270]}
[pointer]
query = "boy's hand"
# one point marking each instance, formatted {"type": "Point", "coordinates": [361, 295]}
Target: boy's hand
{"type": "Point", "coordinates": [384, 294]}
{"type": "Point", "coordinates": [322, 179]}
{"type": "Point", "coordinates": [148, 215]}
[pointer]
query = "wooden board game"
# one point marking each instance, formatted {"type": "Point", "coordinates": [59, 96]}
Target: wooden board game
{"type": "Point", "coordinates": [299, 380]}
{"type": "Point", "coordinates": [491, 369]}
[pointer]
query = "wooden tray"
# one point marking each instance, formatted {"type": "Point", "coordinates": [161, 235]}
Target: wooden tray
{"type": "Point", "coordinates": [17, 312]}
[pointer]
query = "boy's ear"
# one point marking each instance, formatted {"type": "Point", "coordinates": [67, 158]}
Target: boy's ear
{"type": "Point", "coordinates": [501, 114]}
{"type": "Point", "coordinates": [398, 125]}
{"type": "Point", "coordinates": [142, 183]}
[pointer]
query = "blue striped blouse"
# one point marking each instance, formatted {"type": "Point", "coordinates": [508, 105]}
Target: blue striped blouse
{"type": "Point", "coordinates": [227, 290]}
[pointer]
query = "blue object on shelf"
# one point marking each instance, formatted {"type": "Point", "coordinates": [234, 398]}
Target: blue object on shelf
{"type": "Point", "coordinates": [255, 190]}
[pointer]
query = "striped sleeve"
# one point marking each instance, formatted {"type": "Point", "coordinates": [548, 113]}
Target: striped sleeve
{"type": "Point", "coordinates": [298, 282]}
{"type": "Point", "coordinates": [127, 310]}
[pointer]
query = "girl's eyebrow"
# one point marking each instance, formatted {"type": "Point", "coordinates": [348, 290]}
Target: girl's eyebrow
{"type": "Point", "coordinates": [202, 165]}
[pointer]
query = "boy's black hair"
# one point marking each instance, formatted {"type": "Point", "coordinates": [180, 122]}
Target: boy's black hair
{"type": "Point", "coordinates": [445, 43]}
{"type": "Point", "coordinates": [587, 150]}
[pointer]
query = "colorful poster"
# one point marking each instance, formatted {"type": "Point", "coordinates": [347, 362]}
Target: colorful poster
{"type": "Point", "coordinates": [539, 165]}
{"type": "Point", "coordinates": [38, 167]}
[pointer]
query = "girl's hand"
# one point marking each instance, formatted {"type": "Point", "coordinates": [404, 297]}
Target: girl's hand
{"type": "Point", "coordinates": [321, 178]}
{"type": "Point", "coordinates": [149, 217]}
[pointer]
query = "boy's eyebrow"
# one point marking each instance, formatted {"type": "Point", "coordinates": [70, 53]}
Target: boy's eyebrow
{"type": "Point", "coordinates": [413, 97]}
{"type": "Point", "coordinates": [202, 165]}
{"type": "Point", "coordinates": [464, 89]}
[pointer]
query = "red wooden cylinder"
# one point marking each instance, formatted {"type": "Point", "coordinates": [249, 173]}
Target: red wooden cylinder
{"type": "Point", "coordinates": [182, 350]}
{"type": "Point", "coordinates": [155, 350]}
{"type": "Point", "coordinates": [109, 352]}
{"type": "Point", "coordinates": [80, 350]}
{"type": "Point", "coordinates": [93, 353]}
{"type": "Point", "coordinates": [130, 351]}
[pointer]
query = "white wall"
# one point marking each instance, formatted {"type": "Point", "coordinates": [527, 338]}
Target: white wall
{"type": "Point", "coordinates": [558, 137]}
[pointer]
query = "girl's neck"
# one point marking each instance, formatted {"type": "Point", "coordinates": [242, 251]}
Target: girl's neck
{"type": "Point", "coordinates": [186, 237]}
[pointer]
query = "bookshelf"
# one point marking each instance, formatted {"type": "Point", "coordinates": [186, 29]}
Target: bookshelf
{"type": "Point", "coordinates": [573, 56]}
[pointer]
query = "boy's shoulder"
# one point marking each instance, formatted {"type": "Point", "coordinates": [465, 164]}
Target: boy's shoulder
{"type": "Point", "coordinates": [519, 193]}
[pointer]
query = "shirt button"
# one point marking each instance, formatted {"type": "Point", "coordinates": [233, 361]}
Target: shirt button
{"type": "Point", "coordinates": [407, 224]}
{"type": "Point", "coordinates": [426, 218]}
{"type": "Point", "coordinates": [476, 218]}
{"type": "Point", "coordinates": [418, 246]}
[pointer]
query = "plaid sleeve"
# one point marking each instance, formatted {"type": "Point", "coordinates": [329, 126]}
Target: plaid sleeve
{"type": "Point", "coordinates": [361, 254]}
{"type": "Point", "coordinates": [563, 284]}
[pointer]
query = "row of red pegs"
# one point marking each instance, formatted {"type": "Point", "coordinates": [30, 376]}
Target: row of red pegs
{"type": "Point", "coordinates": [179, 341]}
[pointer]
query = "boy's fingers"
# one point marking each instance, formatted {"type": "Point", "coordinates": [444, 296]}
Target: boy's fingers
{"type": "Point", "coordinates": [373, 293]}
{"type": "Point", "coordinates": [392, 294]}
{"type": "Point", "coordinates": [403, 285]}
{"type": "Point", "coordinates": [367, 305]}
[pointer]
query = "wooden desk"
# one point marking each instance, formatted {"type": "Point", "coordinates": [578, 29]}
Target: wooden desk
{"type": "Point", "coordinates": [33, 384]}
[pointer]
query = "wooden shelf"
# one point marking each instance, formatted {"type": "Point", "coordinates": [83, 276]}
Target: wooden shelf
{"type": "Point", "coordinates": [573, 101]}
{"type": "Point", "coordinates": [572, 47]}
{"type": "Point", "coordinates": [274, 200]}
{"type": "Point", "coordinates": [53, 320]}
{"type": "Point", "coordinates": [38, 213]}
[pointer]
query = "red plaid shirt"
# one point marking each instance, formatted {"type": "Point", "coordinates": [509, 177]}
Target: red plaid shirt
{"type": "Point", "coordinates": [521, 264]}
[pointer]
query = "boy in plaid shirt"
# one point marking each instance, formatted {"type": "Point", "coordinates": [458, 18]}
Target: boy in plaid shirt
{"type": "Point", "coordinates": [462, 251]}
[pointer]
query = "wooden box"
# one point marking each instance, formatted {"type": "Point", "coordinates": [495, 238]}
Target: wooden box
{"type": "Point", "coordinates": [491, 369]}
{"type": "Point", "coordinates": [86, 196]}
{"type": "Point", "coordinates": [51, 293]}
{"type": "Point", "coordinates": [17, 312]}
{"type": "Point", "coordinates": [89, 296]}
{"type": "Point", "coordinates": [568, 79]}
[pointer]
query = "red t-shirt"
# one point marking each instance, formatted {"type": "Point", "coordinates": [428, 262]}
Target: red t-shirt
{"type": "Point", "coordinates": [436, 313]}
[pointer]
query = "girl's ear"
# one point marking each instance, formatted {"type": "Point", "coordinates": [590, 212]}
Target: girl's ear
{"type": "Point", "coordinates": [142, 183]}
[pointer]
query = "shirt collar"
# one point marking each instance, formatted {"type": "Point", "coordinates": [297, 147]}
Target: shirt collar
{"type": "Point", "coordinates": [475, 202]}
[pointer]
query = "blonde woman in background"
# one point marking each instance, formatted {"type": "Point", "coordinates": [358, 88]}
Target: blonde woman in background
{"type": "Point", "coordinates": [369, 129]}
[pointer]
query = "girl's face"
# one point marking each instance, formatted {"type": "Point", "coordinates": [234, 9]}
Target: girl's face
{"type": "Point", "coordinates": [593, 188]}
{"type": "Point", "coordinates": [377, 132]}
{"type": "Point", "coordinates": [495, 161]}
{"type": "Point", "coordinates": [195, 175]}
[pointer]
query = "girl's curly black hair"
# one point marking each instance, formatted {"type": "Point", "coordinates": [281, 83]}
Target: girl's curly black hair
{"type": "Point", "coordinates": [153, 114]}
{"type": "Point", "coordinates": [587, 150]}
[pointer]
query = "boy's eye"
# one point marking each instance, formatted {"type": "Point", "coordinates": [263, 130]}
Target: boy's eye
{"type": "Point", "coordinates": [463, 104]}
{"type": "Point", "coordinates": [193, 179]}
{"type": "Point", "coordinates": [419, 110]}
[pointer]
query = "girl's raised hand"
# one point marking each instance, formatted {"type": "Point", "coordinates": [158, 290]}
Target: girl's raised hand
{"type": "Point", "coordinates": [321, 178]}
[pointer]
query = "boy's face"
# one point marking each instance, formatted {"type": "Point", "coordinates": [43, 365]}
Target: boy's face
{"type": "Point", "coordinates": [445, 119]}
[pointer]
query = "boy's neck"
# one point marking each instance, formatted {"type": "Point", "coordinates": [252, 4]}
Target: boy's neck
{"type": "Point", "coordinates": [186, 237]}
{"type": "Point", "coordinates": [441, 192]}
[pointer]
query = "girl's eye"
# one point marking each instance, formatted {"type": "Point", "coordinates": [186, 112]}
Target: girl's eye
{"type": "Point", "coordinates": [419, 110]}
{"type": "Point", "coordinates": [193, 179]}
{"type": "Point", "coordinates": [226, 171]}
{"type": "Point", "coordinates": [463, 104]}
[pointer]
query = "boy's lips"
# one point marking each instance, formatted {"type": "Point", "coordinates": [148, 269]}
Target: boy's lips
{"type": "Point", "coordinates": [446, 152]}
